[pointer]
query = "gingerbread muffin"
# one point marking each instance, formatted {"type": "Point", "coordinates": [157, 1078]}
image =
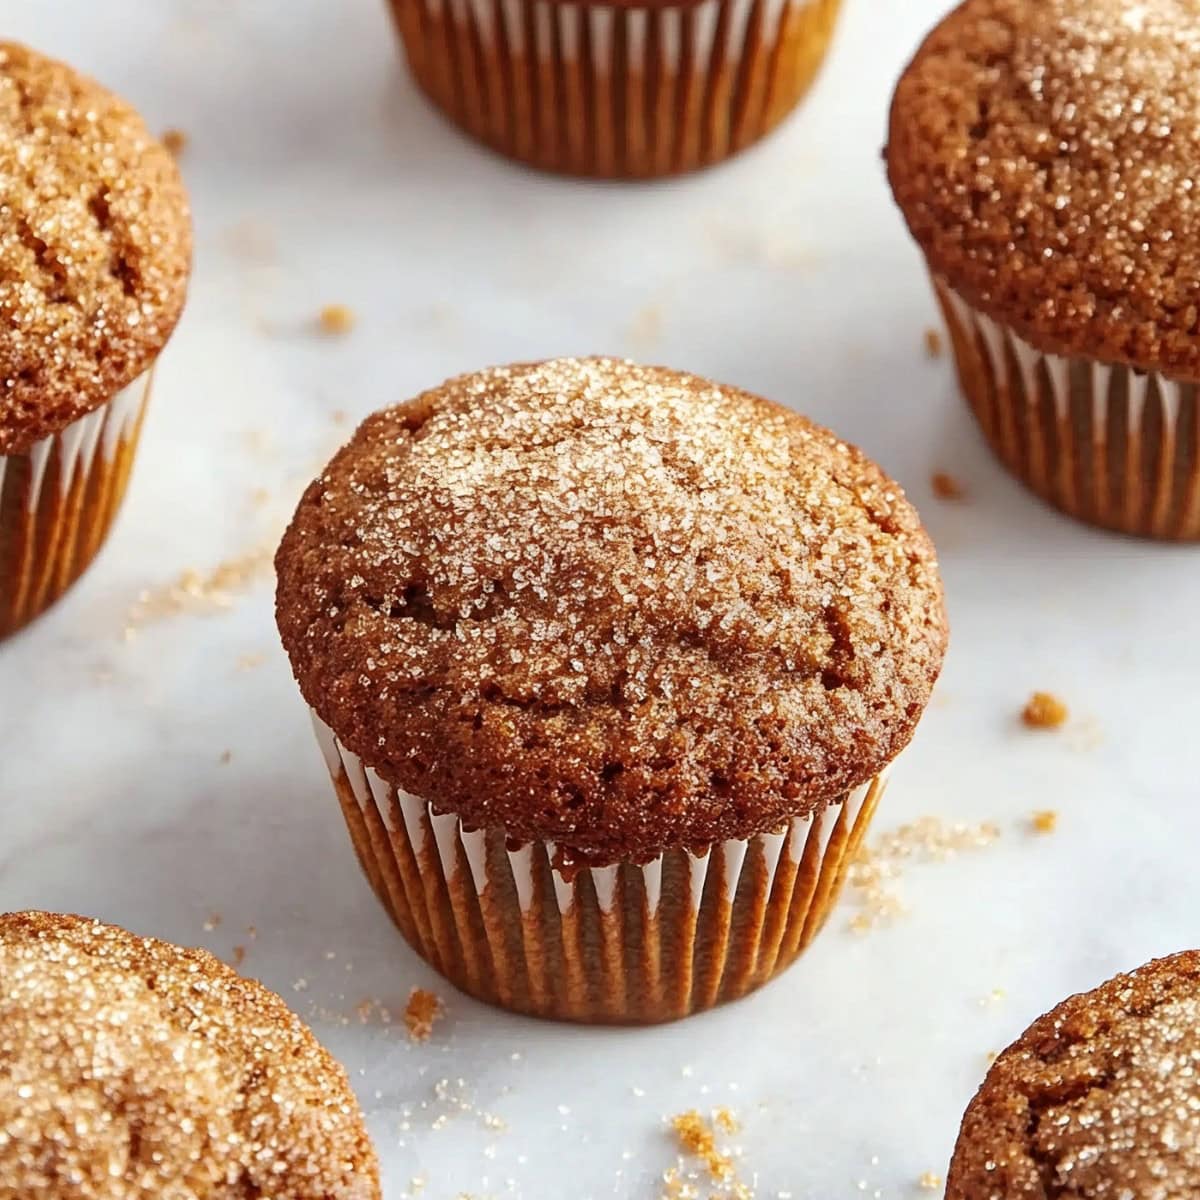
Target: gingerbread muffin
{"type": "Point", "coordinates": [95, 244]}
{"type": "Point", "coordinates": [608, 664]}
{"type": "Point", "coordinates": [1043, 153]}
{"type": "Point", "coordinates": [1097, 1100]}
{"type": "Point", "coordinates": [621, 89]}
{"type": "Point", "coordinates": [131, 1069]}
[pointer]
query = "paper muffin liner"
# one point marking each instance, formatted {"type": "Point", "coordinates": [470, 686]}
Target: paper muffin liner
{"type": "Point", "coordinates": [618, 90]}
{"type": "Point", "coordinates": [629, 943]}
{"type": "Point", "coordinates": [58, 501]}
{"type": "Point", "coordinates": [1107, 444]}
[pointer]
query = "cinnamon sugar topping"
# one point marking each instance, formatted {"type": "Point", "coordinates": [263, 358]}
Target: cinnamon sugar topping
{"type": "Point", "coordinates": [135, 1070]}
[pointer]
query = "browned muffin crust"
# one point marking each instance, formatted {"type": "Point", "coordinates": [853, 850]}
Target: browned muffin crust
{"type": "Point", "coordinates": [616, 607]}
{"type": "Point", "coordinates": [95, 243]}
{"type": "Point", "coordinates": [1044, 155]}
{"type": "Point", "coordinates": [131, 1069]}
{"type": "Point", "coordinates": [1099, 1098]}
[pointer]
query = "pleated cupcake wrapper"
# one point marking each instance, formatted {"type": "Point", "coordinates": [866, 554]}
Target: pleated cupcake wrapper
{"type": "Point", "coordinates": [58, 501]}
{"type": "Point", "coordinates": [630, 943]}
{"type": "Point", "coordinates": [616, 91]}
{"type": "Point", "coordinates": [1108, 444]}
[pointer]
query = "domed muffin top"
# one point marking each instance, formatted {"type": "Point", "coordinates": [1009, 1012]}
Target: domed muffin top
{"type": "Point", "coordinates": [131, 1069]}
{"type": "Point", "coordinates": [1043, 153]}
{"type": "Point", "coordinates": [1098, 1099]}
{"type": "Point", "coordinates": [95, 244]}
{"type": "Point", "coordinates": [620, 608]}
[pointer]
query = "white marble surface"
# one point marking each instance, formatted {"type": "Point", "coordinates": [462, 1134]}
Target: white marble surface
{"type": "Point", "coordinates": [319, 176]}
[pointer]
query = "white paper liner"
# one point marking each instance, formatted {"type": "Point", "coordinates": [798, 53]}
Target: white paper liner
{"type": "Point", "coordinates": [616, 90]}
{"type": "Point", "coordinates": [1108, 444]}
{"type": "Point", "coordinates": [58, 500]}
{"type": "Point", "coordinates": [622, 943]}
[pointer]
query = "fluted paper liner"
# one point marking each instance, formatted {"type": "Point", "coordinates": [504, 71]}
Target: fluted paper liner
{"type": "Point", "coordinates": [58, 501]}
{"type": "Point", "coordinates": [1107, 444]}
{"type": "Point", "coordinates": [616, 90]}
{"type": "Point", "coordinates": [626, 943]}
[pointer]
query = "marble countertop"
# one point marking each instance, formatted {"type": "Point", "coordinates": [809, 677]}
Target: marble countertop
{"type": "Point", "coordinates": [158, 769]}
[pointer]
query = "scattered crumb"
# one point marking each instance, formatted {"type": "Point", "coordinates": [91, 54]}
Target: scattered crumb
{"type": "Point", "coordinates": [1044, 711]}
{"type": "Point", "coordinates": [238, 957]}
{"type": "Point", "coordinates": [176, 142]}
{"type": "Point", "coordinates": [930, 1181]}
{"type": "Point", "coordinates": [992, 1055]}
{"type": "Point", "coordinates": [725, 1121]}
{"type": "Point", "coordinates": [336, 319]}
{"type": "Point", "coordinates": [247, 662]}
{"type": "Point", "coordinates": [645, 329]}
{"type": "Point", "coordinates": [339, 416]}
{"type": "Point", "coordinates": [201, 591]}
{"type": "Point", "coordinates": [933, 343]}
{"type": "Point", "coordinates": [696, 1137]}
{"type": "Point", "coordinates": [876, 868]}
{"type": "Point", "coordinates": [1044, 821]}
{"type": "Point", "coordinates": [946, 487]}
{"type": "Point", "coordinates": [252, 932]}
{"type": "Point", "coordinates": [421, 1013]}
{"type": "Point", "coordinates": [226, 758]}
{"type": "Point", "coordinates": [213, 922]}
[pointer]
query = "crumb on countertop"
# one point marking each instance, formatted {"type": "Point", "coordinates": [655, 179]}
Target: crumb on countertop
{"type": "Point", "coordinates": [946, 487]}
{"type": "Point", "coordinates": [226, 758]}
{"type": "Point", "coordinates": [696, 1137]}
{"type": "Point", "coordinates": [213, 921]}
{"type": "Point", "coordinates": [929, 1181]}
{"type": "Point", "coordinates": [1044, 711]}
{"type": "Point", "coordinates": [1045, 820]}
{"type": "Point", "coordinates": [238, 957]}
{"type": "Point", "coordinates": [336, 319]}
{"type": "Point", "coordinates": [176, 142]}
{"type": "Point", "coordinates": [421, 1013]}
{"type": "Point", "coordinates": [933, 343]}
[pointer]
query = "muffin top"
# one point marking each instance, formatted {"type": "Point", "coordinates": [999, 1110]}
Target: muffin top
{"type": "Point", "coordinates": [1043, 153]}
{"type": "Point", "coordinates": [131, 1069]}
{"type": "Point", "coordinates": [615, 607]}
{"type": "Point", "coordinates": [95, 242]}
{"type": "Point", "coordinates": [1099, 1098]}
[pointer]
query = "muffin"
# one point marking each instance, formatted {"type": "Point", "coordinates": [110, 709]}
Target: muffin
{"type": "Point", "coordinates": [608, 664]}
{"type": "Point", "coordinates": [132, 1069]}
{"type": "Point", "coordinates": [95, 243]}
{"type": "Point", "coordinates": [1043, 155]}
{"type": "Point", "coordinates": [1098, 1098]}
{"type": "Point", "coordinates": [619, 90]}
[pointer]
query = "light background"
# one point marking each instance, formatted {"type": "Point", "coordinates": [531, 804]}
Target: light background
{"type": "Point", "coordinates": [319, 176]}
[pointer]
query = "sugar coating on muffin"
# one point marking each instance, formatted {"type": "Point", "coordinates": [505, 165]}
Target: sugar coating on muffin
{"type": "Point", "coordinates": [132, 1069]}
{"type": "Point", "coordinates": [1043, 153]}
{"type": "Point", "coordinates": [617, 607]}
{"type": "Point", "coordinates": [95, 245]}
{"type": "Point", "coordinates": [1099, 1098]}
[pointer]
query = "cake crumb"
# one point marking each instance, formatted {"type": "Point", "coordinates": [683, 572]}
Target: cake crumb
{"type": "Point", "coordinates": [336, 319]}
{"type": "Point", "coordinates": [933, 343]}
{"type": "Point", "coordinates": [725, 1121]}
{"type": "Point", "coordinates": [212, 922]}
{"type": "Point", "coordinates": [1044, 821]}
{"type": "Point", "coordinates": [176, 142]}
{"type": "Point", "coordinates": [238, 957]}
{"type": "Point", "coordinates": [1044, 711]}
{"type": "Point", "coordinates": [992, 1055]}
{"type": "Point", "coordinates": [696, 1137]}
{"type": "Point", "coordinates": [929, 1181]}
{"type": "Point", "coordinates": [421, 1013]}
{"type": "Point", "coordinates": [946, 487]}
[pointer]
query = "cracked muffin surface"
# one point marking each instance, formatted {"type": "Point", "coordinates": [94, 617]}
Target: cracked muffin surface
{"type": "Point", "coordinates": [615, 607]}
{"type": "Point", "coordinates": [95, 246]}
{"type": "Point", "coordinates": [1097, 1100]}
{"type": "Point", "coordinates": [1043, 153]}
{"type": "Point", "coordinates": [132, 1069]}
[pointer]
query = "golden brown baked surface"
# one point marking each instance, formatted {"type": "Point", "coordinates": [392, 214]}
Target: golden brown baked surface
{"type": "Point", "coordinates": [131, 1069]}
{"type": "Point", "coordinates": [1097, 1099]}
{"type": "Point", "coordinates": [1043, 153]}
{"type": "Point", "coordinates": [95, 244]}
{"type": "Point", "coordinates": [616, 607]}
